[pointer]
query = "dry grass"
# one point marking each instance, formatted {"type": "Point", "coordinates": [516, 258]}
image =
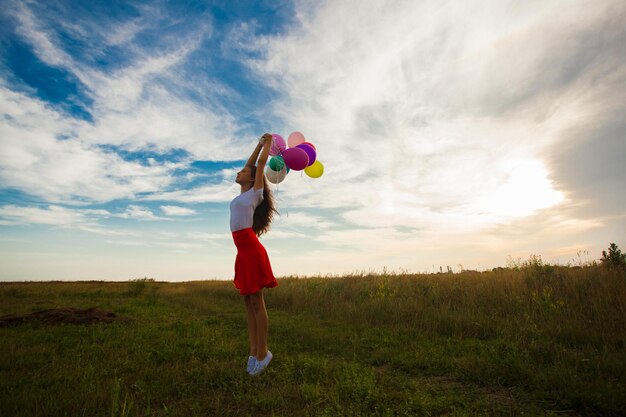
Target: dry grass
{"type": "Point", "coordinates": [534, 339]}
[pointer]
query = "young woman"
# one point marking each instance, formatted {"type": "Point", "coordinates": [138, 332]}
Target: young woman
{"type": "Point", "coordinates": [251, 213]}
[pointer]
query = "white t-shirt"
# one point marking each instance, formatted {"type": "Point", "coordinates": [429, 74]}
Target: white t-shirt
{"type": "Point", "coordinates": [242, 208]}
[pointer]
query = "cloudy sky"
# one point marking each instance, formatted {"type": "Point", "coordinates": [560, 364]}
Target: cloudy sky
{"type": "Point", "coordinates": [461, 134]}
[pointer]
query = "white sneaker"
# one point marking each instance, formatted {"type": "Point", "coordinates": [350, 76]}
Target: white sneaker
{"type": "Point", "coordinates": [251, 363]}
{"type": "Point", "coordinates": [261, 365]}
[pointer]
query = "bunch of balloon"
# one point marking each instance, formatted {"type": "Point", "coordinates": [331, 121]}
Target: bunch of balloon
{"type": "Point", "coordinates": [300, 155]}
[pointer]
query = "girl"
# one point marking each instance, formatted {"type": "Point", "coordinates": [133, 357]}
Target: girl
{"type": "Point", "coordinates": [251, 213]}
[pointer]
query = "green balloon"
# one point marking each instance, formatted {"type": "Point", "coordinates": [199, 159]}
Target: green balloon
{"type": "Point", "coordinates": [277, 163]}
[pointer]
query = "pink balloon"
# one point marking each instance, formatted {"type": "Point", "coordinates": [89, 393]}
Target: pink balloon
{"type": "Point", "coordinates": [294, 139]}
{"type": "Point", "coordinates": [296, 158]}
{"type": "Point", "coordinates": [310, 144]}
{"type": "Point", "coordinates": [278, 145]}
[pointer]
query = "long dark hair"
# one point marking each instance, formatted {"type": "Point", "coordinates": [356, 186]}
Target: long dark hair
{"type": "Point", "coordinates": [264, 213]}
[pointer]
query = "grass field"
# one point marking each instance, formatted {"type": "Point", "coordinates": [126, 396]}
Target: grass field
{"type": "Point", "coordinates": [529, 340]}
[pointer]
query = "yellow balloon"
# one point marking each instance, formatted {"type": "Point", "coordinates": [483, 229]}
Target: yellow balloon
{"type": "Point", "coordinates": [315, 170]}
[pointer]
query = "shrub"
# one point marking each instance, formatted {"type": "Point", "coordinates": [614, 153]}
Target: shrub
{"type": "Point", "coordinates": [138, 285]}
{"type": "Point", "coordinates": [614, 258]}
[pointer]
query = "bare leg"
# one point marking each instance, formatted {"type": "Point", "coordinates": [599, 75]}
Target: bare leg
{"type": "Point", "coordinates": [262, 324]}
{"type": "Point", "coordinates": [251, 325]}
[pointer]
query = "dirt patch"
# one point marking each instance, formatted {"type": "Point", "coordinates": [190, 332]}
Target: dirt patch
{"type": "Point", "coordinates": [69, 315]}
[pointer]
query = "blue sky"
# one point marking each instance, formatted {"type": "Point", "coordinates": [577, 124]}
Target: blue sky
{"type": "Point", "coordinates": [451, 135]}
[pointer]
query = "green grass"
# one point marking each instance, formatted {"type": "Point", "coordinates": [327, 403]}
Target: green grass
{"type": "Point", "coordinates": [531, 340]}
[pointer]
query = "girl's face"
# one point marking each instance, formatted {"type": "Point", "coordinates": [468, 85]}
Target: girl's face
{"type": "Point", "coordinates": [244, 176]}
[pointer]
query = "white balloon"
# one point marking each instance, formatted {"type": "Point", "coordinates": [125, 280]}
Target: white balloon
{"type": "Point", "coordinates": [275, 177]}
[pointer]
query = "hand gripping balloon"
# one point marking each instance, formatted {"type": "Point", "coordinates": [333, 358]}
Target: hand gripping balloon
{"type": "Point", "coordinates": [299, 155]}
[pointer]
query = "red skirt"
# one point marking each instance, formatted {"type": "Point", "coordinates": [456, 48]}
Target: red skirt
{"type": "Point", "coordinates": [252, 265]}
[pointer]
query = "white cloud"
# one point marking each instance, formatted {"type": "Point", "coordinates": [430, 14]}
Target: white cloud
{"type": "Point", "coordinates": [67, 171]}
{"type": "Point", "coordinates": [105, 231]}
{"type": "Point", "coordinates": [30, 28]}
{"type": "Point", "coordinates": [151, 244]}
{"type": "Point", "coordinates": [53, 215]}
{"type": "Point", "coordinates": [139, 213]}
{"type": "Point", "coordinates": [216, 193]}
{"type": "Point", "coordinates": [124, 32]}
{"type": "Point", "coordinates": [430, 114]}
{"type": "Point", "coordinates": [131, 109]}
{"type": "Point", "coordinates": [177, 211]}
{"type": "Point", "coordinates": [433, 116]}
{"type": "Point", "coordinates": [297, 220]}
{"type": "Point", "coordinates": [84, 219]}
{"type": "Point", "coordinates": [276, 233]}
{"type": "Point", "coordinates": [208, 237]}
{"type": "Point", "coordinates": [162, 121]}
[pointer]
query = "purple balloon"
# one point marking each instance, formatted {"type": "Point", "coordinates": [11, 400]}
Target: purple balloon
{"type": "Point", "coordinates": [310, 151]}
{"type": "Point", "coordinates": [296, 158]}
{"type": "Point", "coordinates": [278, 145]}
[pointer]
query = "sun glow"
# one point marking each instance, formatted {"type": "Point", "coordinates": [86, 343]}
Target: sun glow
{"type": "Point", "coordinates": [525, 188]}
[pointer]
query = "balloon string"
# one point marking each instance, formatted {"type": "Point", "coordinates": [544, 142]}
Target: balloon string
{"type": "Point", "coordinates": [280, 152]}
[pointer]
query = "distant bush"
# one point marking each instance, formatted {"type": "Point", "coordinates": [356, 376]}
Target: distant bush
{"type": "Point", "coordinates": [137, 286]}
{"type": "Point", "coordinates": [614, 258]}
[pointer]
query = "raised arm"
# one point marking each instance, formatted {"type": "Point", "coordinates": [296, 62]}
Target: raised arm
{"type": "Point", "coordinates": [255, 154]}
{"type": "Point", "coordinates": [260, 167]}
